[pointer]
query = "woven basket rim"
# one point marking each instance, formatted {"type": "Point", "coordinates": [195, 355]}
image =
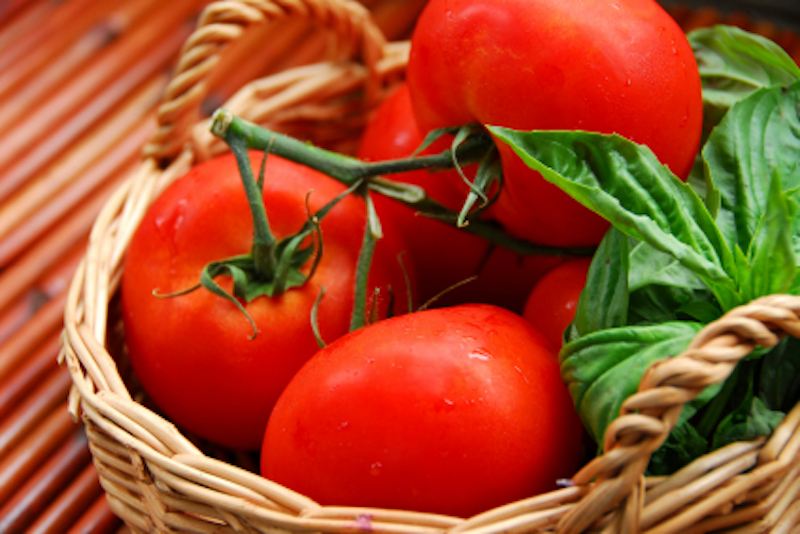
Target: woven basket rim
{"type": "Point", "coordinates": [150, 470]}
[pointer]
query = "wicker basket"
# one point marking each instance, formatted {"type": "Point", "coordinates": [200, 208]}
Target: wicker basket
{"type": "Point", "coordinates": [156, 479]}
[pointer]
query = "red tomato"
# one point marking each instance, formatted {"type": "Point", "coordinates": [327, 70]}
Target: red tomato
{"type": "Point", "coordinates": [443, 255]}
{"type": "Point", "coordinates": [452, 410]}
{"type": "Point", "coordinates": [551, 305]}
{"type": "Point", "coordinates": [192, 352]}
{"type": "Point", "coordinates": [610, 66]}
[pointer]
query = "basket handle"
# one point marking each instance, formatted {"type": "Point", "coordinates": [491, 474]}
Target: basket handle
{"type": "Point", "coordinates": [223, 22]}
{"type": "Point", "coordinates": [647, 417]}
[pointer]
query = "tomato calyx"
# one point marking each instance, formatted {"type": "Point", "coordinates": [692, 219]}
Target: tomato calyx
{"type": "Point", "coordinates": [272, 266]}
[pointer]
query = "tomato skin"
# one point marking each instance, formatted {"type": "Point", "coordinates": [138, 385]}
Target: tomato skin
{"type": "Point", "coordinates": [443, 256]}
{"type": "Point", "coordinates": [192, 352]}
{"type": "Point", "coordinates": [550, 307]}
{"type": "Point", "coordinates": [602, 65]}
{"type": "Point", "coordinates": [452, 410]}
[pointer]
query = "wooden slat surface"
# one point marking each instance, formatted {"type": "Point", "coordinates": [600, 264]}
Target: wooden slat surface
{"type": "Point", "coordinates": [79, 80]}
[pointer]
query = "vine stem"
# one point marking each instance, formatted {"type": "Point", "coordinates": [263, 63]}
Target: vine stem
{"type": "Point", "coordinates": [264, 260]}
{"type": "Point", "coordinates": [349, 171]}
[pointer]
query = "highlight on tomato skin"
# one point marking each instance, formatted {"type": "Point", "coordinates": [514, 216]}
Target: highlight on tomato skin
{"type": "Point", "coordinates": [451, 410]}
{"type": "Point", "coordinates": [550, 307]}
{"type": "Point", "coordinates": [609, 66]}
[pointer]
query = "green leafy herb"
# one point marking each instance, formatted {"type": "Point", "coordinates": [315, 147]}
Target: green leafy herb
{"type": "Point", "coordinates": [679, 254]}
{"type": "Point", "coordinates": [605, 367]}
{"type": "Point", "coordinates": [625, 183]}
{"type": "Point", "coordinates": [733, 63]}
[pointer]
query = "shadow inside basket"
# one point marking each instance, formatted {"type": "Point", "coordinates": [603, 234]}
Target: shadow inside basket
{"type": "Point", "coordinates": [115, 343]}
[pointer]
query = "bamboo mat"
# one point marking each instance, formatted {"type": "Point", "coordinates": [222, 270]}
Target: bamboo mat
{"type": "Point", "coordinates": [79, 80]}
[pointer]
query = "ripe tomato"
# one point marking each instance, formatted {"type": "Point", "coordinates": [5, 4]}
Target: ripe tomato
{"type": "Point", "coordinates": [452, 410]}
{"type": "Point", "coordinates": [551, 305]}
{"type": "Point", "coordinates": [442, 255]}
{"type": "Point", "coordinates": [193, 352]}
{"type": "Point", "coordinates": [610, 66]}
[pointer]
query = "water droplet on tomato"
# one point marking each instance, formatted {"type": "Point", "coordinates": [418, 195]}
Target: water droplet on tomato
{"type": "Point", "coordinates": [168, 225]}
{"type": "Point", "coordinates": [174, 218]}
{"type": "Point", "coordinates": [446, 405]}
{"type": "Point", "coordinates": [525, 378]}
{"type": "Point", "coordinates": [478, 354]}
{"type": "Point", "coordinates": [375, 469]}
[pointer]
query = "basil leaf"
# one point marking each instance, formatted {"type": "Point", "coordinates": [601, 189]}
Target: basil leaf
{"type": "Point", "coordinates": [779, 379]}
{"type": "Point", "coordinates": [683, 445]}
{"type": "Point", "coordinates": [733, 63]}
{"type": "Point", "coordinates": [751, 420]}
{"type": "Point", "coordinates": [662, 289]}
{"type": "Point", "coordinates": [604, 368]}
{"type": "Point", "coordinates": [654, 304]}
{"type": "Point", "coordinates": [626, 184]}
{"type": "Point", "coordinates": [604, 300]}
{"type": "Point", "coordinates": [651, 266]}
{"type": "Point", "coordinates": [758, 140]}
{"type": "Point", "coordinates": [772, 263]}
{"type": "Point", "coordinates": [704, 187]}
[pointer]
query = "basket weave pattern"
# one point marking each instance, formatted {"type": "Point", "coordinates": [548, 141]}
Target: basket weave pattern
{"type": "Point", "coordinates": [156, 479]}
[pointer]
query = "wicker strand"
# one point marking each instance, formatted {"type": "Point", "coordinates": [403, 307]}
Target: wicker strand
{"type": "Point", "coordinates": [307, 93]}
{"type": "Point", "coordinates": [644, 424]}
{"type": "Point", "coordinates": [224, 22]}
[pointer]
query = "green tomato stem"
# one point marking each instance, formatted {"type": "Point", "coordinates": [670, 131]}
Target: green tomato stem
{"type": "Point", "coordinates": [371, 235]}
{"type": "Point", "coordinates": [349, 170]}
{"type": "Point", "coordinates": [263, 251]}
{"type": "Point", "coordinates": [345, 169]}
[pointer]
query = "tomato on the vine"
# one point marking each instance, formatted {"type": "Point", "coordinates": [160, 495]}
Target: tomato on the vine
{"type": "Point", "coordinates": [550, 307]}
{"type": "Point", "coordinates": [193, 352]}
{"type": "Point", "coordinates": [609, 66]}
{"type": "Point", "coordinates": [441, 254]}
{"type": "Point", "coordinates": [451, 410]}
